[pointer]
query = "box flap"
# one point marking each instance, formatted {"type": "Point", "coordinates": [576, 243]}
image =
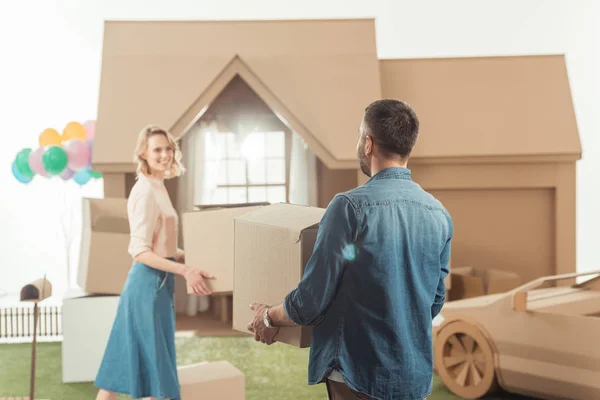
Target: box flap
{"type": "Point", "coordinates": [291, 217]}
{"type": "Point", "coordinates": [203, 207]}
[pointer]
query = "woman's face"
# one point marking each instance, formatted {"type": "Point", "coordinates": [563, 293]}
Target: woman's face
{"type": "Point", "coordinates": [159, 154]}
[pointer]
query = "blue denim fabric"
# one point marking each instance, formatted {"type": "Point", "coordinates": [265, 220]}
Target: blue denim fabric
{"type": "Point", "coordinates": [373, 285]}
{"type": "Point", "coordinates": [140, 358]}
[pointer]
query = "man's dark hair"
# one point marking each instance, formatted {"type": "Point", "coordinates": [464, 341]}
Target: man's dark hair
{"type": "Point", "coordinates": [393, 125]}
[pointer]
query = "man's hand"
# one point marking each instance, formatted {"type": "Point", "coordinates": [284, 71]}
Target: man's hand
{"type": "Point", "coordinates": [261, 332]}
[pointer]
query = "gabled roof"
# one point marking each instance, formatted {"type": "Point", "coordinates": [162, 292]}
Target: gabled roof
{"type": "Point", "coordinates": [318, 75]}
{"type": "Point", "coordinates": [509, 107]}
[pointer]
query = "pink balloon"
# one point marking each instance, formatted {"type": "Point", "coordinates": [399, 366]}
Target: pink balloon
{"type": "Point", "coordinates": [90, 129]}
{"type": "Point", "coordinates": [78, 153]}
{"type": "Point", "coordinates": [67, 174]}
{"type": "Point", "coordinates": [35, 162]}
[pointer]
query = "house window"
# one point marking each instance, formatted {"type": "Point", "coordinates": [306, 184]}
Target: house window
{"type": "Point", "coordinates": [253, 168]}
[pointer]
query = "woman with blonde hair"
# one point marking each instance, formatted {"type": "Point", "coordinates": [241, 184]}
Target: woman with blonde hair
{"type": "Point", "coordinates": [139, 359]}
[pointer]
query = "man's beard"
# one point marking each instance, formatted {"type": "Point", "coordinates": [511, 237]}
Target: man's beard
{"type": "Point", "coordinates": [365, 165]}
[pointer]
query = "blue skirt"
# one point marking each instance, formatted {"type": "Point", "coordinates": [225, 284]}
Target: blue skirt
{"type": "Point", "coordinates": [139, 359]}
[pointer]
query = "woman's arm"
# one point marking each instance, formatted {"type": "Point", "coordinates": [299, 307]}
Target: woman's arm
{"type": "Point", "coordinates": [144, 214]}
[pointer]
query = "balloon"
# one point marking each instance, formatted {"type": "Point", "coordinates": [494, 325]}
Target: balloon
{"type": "Point", "coordinates": [35, 162]}
{"type": "Point", "coordinates": [82, 176]}
{"type": "Point", "coordinates": [73, 130]}
{"type": "Point", "coordinates": [22, 162]}
{"type": "Point", "coordinates": [49, 137]}
{"type": "Point", "coordinates": [17, 174]}
{"type": "Point", "coordinates": [54, 160]}
{"type": "Point", "coordinates": [67, 174]}
{"type": "Point", "coordinates": [90, 146]}
{"type": "Point", "coordinates": [90, 129]}
{"type": "Point", "coordinates": [96, 174]}
{"type": "Point", "coordinates": [77, 153]}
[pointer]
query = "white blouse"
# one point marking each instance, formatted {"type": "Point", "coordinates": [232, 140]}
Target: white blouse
{"type": "Point", "coordinates": [152, 218]}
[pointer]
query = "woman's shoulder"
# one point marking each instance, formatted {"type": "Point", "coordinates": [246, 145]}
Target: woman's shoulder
{"type": "Point", "coordinates": [141, 191]}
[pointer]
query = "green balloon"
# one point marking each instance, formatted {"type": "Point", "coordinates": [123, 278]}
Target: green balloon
{"type": "Point", "coordinates": [96, 174]}
{"type": "Point", "coordinates": [22, 162]}
{"type": "Point", "coordinates": [55, 160]}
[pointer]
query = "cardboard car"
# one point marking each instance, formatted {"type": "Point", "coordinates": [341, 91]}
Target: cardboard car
{"type": "Point", "coordinates": [539, 339]}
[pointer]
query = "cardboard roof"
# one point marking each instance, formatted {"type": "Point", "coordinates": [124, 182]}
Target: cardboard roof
{"type": "Point", "coordinates": [487, 106]}
{"type": "Point", "coordinates": [318, 75]}
{"type": "Point", "coordinates": [290, 217]}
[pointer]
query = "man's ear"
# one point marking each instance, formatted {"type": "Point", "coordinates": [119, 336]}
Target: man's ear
{"type": "Point", "coordinates": [368, 145]}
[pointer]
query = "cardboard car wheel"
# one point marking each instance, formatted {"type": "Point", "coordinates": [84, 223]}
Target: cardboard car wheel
{"type": "Point", "coordinates": [464, 360]}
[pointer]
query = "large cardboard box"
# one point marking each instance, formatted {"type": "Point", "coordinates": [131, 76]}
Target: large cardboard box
{"type": "Point", "coordinates": [272, 246]}
{"type": "Point", "coordinates": [86, 322]}
{"type": "Point", "coordinates": [208, 241]}
{"type": "Point", "coordinates": [104, 261]}
{"type": "Point", "coordinates": [470, 282]}
{"type": "Point", "coordinates": [211, 380]}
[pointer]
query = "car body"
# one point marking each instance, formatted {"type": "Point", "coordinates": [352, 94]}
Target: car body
{"type": "Point", "coordinates": [533, 340]}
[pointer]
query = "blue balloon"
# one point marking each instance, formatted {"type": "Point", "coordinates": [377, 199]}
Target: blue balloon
{"type": "Point", "coordinates": [82, 176]}
{"type": "Point", "coordinates": [18, 175]}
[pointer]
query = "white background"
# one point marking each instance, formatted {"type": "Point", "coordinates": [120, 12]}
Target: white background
{"type": "Point", "coordinates": [50, 68]}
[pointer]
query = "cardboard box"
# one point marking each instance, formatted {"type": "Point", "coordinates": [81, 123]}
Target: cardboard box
{"type": "Point", "coordinates": [470, 282]}
{"type": "Point", "coordinates": [104, 260]}
{"type": "Point", "coordinates": [208, 241]}
{"type": "Point", "coordinates": [272, 246]}
{"type": "Point", "coordinates": [212, 380]}
{"type": "Point", "coordinates": [86, 322]}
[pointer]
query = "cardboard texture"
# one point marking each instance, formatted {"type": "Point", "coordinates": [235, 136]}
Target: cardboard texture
{"type": "Point", "coordinates": [208, 235]}
{"type": "Point", "coordinates": [272, 246]}
{"type": "Point", "coordinates": [86, 323]}
{"type": "Point", "coordinates": [292, 60]}
{"type": "Point", "coordinates": [104, 261]}
{"type": "Point", "coordinates": [536, 340]}
{"type": "Point", "coordinates": [497, 133]}
{"type": "Point", "coordinates": [212, 380]}
{"type": "Point", "coordinates": [467, 282]}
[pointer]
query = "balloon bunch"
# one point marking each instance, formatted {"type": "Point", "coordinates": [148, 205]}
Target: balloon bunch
{"type": "Point", "coordinates": [68, 155]}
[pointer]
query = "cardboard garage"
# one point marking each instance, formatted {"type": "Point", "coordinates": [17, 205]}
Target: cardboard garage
{"type": "Point", "coordinates": [498, 143]}
{"type": "Point", "coordinates": [272, 246]}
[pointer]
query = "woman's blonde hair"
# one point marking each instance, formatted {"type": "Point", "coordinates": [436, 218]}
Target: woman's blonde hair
{"type": "Point", "coordinates": [177, 167]}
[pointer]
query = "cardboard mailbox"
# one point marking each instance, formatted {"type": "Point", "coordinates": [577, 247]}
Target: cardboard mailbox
{"type": "Point", "coordinates": [272, 246]}
{"type": "Point", "coordinates": [470, 282]}
{"type": "Point", "coordinates": [104, 261]}
{"type": "Point", "coordinates": [208, 241]}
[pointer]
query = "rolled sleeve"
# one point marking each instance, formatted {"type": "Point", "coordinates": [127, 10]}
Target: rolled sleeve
{"type": "Point", "coordinates": [334, 249]}
{"type": "Point", "coordinates": [144, 214]}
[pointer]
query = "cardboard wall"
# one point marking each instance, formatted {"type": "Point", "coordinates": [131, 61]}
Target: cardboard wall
{"type": "Point", "coordinates": [333, 181]}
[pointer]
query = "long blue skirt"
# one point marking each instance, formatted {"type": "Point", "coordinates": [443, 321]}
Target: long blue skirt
{"type": "Point", "coordinates": [139, 359]}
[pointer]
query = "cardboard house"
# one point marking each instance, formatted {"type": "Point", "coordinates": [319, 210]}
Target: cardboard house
{"type": "Point", "coordinates": [498, 143]}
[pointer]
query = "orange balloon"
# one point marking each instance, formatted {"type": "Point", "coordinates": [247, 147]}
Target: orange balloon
{"type": "Point", "coordinates": [49, 137]}
{"type": "Point", "coordinates": [73, 130]}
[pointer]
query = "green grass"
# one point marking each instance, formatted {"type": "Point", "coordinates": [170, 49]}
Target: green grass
{"type": "Point", "coordinates": [272, 372]}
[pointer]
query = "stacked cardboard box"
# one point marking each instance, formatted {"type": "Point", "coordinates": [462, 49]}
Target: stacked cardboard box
{"type": "Point", "coordinates": [104, 263]}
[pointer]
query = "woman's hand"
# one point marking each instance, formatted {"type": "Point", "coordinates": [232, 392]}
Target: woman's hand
{"type": "Point", "coordinates": [195, 279]}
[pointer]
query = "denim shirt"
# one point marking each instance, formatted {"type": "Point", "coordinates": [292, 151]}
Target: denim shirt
{"type": "Point", "coordinates": [373, 285]}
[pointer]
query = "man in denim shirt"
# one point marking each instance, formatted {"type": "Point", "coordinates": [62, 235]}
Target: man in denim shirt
{"type": "Point", "coordinates": [376, 276]}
